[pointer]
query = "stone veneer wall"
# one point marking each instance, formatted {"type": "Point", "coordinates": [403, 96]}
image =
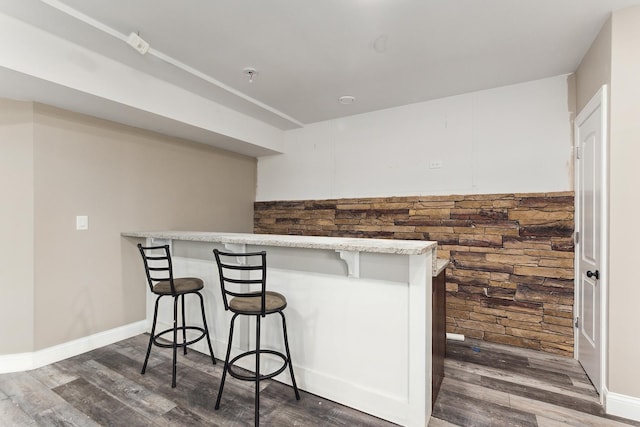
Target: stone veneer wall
{"type": "Point", "coordinates": [511, 274]}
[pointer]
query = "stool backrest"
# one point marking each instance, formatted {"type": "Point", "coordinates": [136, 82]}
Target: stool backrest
{"type": "Point", "coordinates": [238, 271]}
{"type": "Point", "coordinates": [157, 265]}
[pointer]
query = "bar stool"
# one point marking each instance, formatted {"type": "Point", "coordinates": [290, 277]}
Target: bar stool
{"type": "Point", "coordinates": [241, 270]}
{"type": "Point", "coordinates": [159, 269]}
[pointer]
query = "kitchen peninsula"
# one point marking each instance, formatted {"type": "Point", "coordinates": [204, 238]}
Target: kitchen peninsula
{"type": "Point", "coordinates": [359, 312]}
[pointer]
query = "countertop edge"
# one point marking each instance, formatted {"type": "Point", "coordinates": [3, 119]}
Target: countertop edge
{"type": "Point", "coordinates": [441, 265]}
{"type": "Point", "coordinates": [400, 247]}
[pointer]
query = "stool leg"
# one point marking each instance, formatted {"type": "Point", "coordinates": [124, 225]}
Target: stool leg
{"type": "Point", "coordinates": [151, 338]}
{"type": "Point", "coordinates": [257, 404]}
{"type": "Point", "coordinates": [184, 328]}
{"type": "Point", "coordinates": [226, 362]}
{"type": "Point", "coordinates": [206, 329]}
{"type": "Point", "coordinates": [286, 347]}
{"type": "Point", "coordinates": [175, 339]}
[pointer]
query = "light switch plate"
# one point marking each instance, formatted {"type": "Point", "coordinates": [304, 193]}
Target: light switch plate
{"type": "Point", "coordinates": [82, 222]}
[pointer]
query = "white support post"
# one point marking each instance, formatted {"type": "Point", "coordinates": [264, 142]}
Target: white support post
{"type": "Point", "coordinates": [420, 344]}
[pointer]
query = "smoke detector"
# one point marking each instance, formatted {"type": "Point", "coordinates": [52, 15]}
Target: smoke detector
{"type": "Point", "coordinates": [250, 72]}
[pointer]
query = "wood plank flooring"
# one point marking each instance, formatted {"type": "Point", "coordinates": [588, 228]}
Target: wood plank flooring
{"type": "Point", "coordinates": [489, 384]}
{"type": "Point", "coordinates": [485, 385]}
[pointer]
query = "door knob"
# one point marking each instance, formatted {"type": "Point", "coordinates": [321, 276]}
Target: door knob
{"type": "Point", "coordinates": [595, 274]}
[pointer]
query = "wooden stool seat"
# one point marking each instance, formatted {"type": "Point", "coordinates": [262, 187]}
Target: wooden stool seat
{"type": "Point", "coordinates": [252, 305]}
{"type": "Point", "coordinates": [183, 285]}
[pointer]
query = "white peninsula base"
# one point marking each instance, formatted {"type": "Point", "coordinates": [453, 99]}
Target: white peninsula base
{"type": "Point", "coordinates": [358, 315]}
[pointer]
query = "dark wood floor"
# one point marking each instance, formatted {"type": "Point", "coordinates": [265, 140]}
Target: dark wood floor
{"type": "Point", "coordinates": [485, 385]}
{"type": "Point", "coordinates": [495, 385]}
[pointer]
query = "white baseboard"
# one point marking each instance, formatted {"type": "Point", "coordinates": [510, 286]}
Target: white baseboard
{"type": "Point", "coordinates": [26, 361]}
{"type": "Point", "coordinates": [622, 405]}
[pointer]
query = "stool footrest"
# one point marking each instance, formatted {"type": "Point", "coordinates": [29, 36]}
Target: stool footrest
{"type": "Point", "coordinates": [244, 377]}
{"type": "Point", "coordinates": [202, 331]}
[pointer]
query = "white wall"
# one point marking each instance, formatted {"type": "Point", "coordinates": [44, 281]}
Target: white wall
{"type": "Point", "coordinates": [511, 139]}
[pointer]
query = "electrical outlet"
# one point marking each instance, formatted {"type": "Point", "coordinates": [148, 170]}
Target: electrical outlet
{"type": "Point", "coordinates": [435, 164]}
{"type": "Point", "coordinates": [82, 222]}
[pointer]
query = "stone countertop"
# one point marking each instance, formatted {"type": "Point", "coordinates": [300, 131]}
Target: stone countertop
{"type": "Point", "coordinates": [441, 264]}
{"type": "Point", "coordinates": [400, 247]}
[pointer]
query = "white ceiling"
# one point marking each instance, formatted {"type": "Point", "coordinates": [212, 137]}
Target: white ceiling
{"type": "Point", "coordinates": [309, 52]}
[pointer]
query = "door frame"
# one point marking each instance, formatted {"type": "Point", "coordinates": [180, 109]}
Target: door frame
{"type": "Point", "coordinates": [600, 99]}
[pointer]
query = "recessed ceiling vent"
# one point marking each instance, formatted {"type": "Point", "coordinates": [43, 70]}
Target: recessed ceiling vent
{"type": "Point", "coordinates": [347, 99]}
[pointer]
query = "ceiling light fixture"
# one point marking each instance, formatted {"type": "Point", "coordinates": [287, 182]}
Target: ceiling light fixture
{"type": "Point", "coordinates": [250, 72]}
{"type": "Point", "coordinates": [136, 42]}
{"type": "Point", "coordinates": [347, 99]}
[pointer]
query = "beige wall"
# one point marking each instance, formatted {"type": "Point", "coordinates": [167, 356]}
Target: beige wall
{"type": "Point", "coordinates": [16, 227]}
{"type": "Point", "coordinates": [595, 68]}
{"type": "Point", "coordinates": [613, 59]}
{"type": "Point", "coordinates": [624, 290]}
{"type": "Point", "coordinates": [123, 179]}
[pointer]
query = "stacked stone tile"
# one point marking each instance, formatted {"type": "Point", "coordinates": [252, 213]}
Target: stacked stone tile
{"type": "Point", "coordinates": [511, 274]}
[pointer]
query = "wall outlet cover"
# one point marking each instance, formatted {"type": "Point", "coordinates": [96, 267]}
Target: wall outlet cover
{"type": "Point", "coordinates": [82, 222]}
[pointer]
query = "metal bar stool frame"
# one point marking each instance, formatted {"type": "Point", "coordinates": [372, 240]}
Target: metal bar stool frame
{"type": "Point", "coordinates": [269, 303]}
{"type": "Point", "coordinates": [159, 270]}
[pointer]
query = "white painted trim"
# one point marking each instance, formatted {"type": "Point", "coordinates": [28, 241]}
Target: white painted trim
{"type": "Point", "coordinates": [623, 406]}
{"type": "Point", "coordinates": [26, 361]}
{"type": "Point", "coordinates": [604, 240]}
{"type": "Point", "coordinates": [352, 259]}
{"type": "Point", "coordinates": [420, 350]}
{"type": "Point", "coordinates": [600, 99]}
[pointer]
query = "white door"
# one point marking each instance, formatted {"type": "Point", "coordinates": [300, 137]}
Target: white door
{"type": "Point", "coordinates": [591, 250]}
